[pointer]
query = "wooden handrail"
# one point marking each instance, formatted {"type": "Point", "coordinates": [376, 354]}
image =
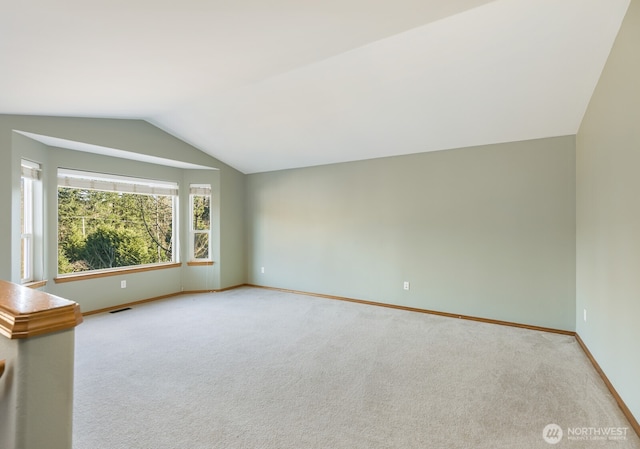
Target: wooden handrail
{"type": "Point", "coordinates": [1, 367]}
{"type": "Point", "coordinates": [26, 313]}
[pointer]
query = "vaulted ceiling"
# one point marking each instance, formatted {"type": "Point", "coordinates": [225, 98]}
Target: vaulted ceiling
{"type": "Point", "coordinates": [271, 84]}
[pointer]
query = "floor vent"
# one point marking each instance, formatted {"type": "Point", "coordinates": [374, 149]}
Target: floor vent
{"type": "Point", "coordinates": [120, 310]}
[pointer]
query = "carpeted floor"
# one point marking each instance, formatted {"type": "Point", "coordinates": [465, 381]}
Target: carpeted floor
{"type": "Point", "coordinates": [254, 368]}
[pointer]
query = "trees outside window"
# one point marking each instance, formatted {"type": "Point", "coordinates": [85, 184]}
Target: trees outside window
{"type": "Point", "coordinates": [200, 230]}
{"type": "Point", "coordinates": [108, 222]}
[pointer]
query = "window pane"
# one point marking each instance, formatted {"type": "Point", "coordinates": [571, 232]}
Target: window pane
{"type": "Point", "coordinates": [28, 182]}
{"type": "Point", "coordinates": [24, 250]}
{"type": "Point", "coordinates": [26, 205]}
{"type": "Point", "coordinates": [201, 221]}
{"type": "Point", "coordinates": [201, 245]}
{"type": "Point", "coordinates": [98, 230]}
{"type": "Point", "coordinates": [22, 205]}
{"type": "Point", "coordinates": [26, 225]}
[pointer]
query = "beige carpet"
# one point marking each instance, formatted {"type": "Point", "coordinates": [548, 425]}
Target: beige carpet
{"type": "Point", "coordinates": [254, 368]}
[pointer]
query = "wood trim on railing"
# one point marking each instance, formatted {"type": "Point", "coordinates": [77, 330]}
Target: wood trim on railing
{"type": "Point", "coordinates": [113, 272]}
{"type": "Point", "coordinates": [200, 263]}
{"type": "Point", "coordinates": [25, 312]}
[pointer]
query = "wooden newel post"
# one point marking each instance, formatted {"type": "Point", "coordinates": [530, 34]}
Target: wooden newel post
{"type": "Point", "coordinates": [36, 373]}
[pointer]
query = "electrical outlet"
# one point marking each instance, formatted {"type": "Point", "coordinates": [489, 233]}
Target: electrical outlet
{"type": "Point", "coordinates": [123, 284]}
{"type": "Point", "coordinates": [406, 285]}
{"type": "Point", "coordinates": [261, 269]}
{"type": "Point", "coordinates": [584, 315]}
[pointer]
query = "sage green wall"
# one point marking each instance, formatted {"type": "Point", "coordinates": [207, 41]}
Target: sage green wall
{"type": "Point", "coordinates": [608, 216]}
{"type": "Point", "coordinates": [45, 401]}
{"type": "Point", "coordinates": [486, 231]}
{"type": "Point", "coordinates": [136, 137]}
{"type": "Point", "coordinates": [36, 391]}
{"type": "Point", "coordinates": [9, 349]}
{"type": "Point", "coordinates": [232, 228]}
{"type": "Point", "coordinates": [6, 194]}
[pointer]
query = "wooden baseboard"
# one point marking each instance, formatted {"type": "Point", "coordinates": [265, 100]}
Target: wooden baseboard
{"type": "Point", "coordinates": [217, 290]}
{"type": "Point", "coordinates": [625, 410]}
{"type": "Point", "coordinates": [430, 312]}
{"type": "Point", "coordinates": [156, 298]}
{"type": "Point", "coordinates": [129, 304]}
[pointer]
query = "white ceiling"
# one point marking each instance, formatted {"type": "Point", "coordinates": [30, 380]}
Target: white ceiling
{"type": "Point", "coordinates": [270, 84]}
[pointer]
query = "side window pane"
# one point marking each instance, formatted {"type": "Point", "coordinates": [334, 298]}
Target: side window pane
{"type": "Point", "coordinates": [201, 245]}
{"type": "Point", "coordinates": [24, 263]}
{"type": "Point", "coordinates": [25, 210]}
{"type": "Point", "coordinates": [29, 177]}
{"type": "Point", "coordinates": [201, 221]}
{"type": "Point", "coordinates": [22, 194]}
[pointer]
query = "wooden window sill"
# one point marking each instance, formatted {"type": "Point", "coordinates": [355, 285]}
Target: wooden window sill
{"type": "Point", "coordinates": [35, 284]}
{"type": "Point", "coordinates": [113, 272]}
{"type": "Point", "coordinates": [200, 263]}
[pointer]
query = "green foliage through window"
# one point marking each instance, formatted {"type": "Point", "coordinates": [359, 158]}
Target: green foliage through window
{"type": "Point", "coordinates": [200, 221]}
{"type": "Point", "coordinates": [99, 230]}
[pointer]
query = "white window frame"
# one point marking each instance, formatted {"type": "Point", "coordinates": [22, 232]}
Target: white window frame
{"type": "Point", "coordinates": [30, 177]}
{"type": "Point", "coordinates": [78, 179]}
{"type": "Point", "coordinates": [198, 190]}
